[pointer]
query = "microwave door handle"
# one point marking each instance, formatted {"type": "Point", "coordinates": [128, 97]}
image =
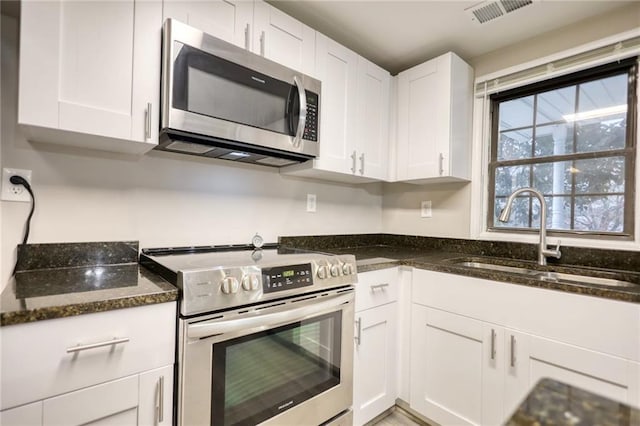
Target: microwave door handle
{"type": "Point", "coordinates": [202, 330]}
{"type": "Point", "coordinates": [302, 117]}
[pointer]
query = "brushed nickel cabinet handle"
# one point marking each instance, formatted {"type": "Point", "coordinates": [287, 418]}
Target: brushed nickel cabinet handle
{"type": "Point", "coordinates": [513, 350]}
{"type": "Point", "coordinates": [160, 404]}
{"type": "Point", "coordinates": [353, 162]}
{"type": "Point", "coordinates": [379, 286]}
{"type": "Point", "coordinates": [358, 337]}
{"type": "Point", "coordinates": [262, 48]}
{"type": "Point", "coordinates": [441, 164]}
{"type": "Point", "coordinates": [493, 344]}
{"type": "Point", "coordinates": [147, 123]}
{"type": "Point", "coordinates": [113, 342]}
{"type": "Point", "coordinates": [246, 37]}
{"type": "Point", "coordinates": [362, 164]}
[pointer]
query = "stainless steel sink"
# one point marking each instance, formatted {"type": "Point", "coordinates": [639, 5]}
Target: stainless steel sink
{"type": "Point", "coordinates": [561, 277]}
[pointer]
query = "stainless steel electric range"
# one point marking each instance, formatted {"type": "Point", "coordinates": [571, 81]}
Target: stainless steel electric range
{"type": "Point", "coordinates": [265, 336]}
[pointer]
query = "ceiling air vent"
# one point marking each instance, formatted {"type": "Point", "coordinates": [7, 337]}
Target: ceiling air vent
{"type": "Point", "coordinates": [490, 10]}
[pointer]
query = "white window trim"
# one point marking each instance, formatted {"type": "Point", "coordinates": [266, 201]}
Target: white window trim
{"type": "Point", "coordinates": [481, 156]}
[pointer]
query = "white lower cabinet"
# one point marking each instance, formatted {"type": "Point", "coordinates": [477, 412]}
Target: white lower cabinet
{"type": "Point", "coordinates": [29, 414]}
{"type": "Point", "coordinates": [453, 366]}
{"type": "Point", "coordinates": [473, 362]}
{"type": "Point", "coordinates": [108, 368]}
{"type": "Point", "coordinates": [376, 331]}
{"type": "Point", "coordinates": [535, 357]}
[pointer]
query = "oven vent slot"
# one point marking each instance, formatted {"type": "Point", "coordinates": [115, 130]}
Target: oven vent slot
{"type": "Point", "coordinates": [208, 319]}
{"type": "Point", "coordinates": [303, 299]}
{"type": "Point", "coordinates": [259, 308]}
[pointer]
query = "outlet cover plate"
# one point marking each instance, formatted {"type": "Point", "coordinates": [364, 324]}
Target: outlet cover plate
{"type": "Point", "coordinates": [11, 192]}
{"type": "Point", "coordinates": [425, 209]}
{"type": "Point", "coordinates": [311, 203]}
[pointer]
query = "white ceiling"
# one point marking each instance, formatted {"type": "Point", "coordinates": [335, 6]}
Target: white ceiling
{"type": "Point", "coordinates": [399, 34]}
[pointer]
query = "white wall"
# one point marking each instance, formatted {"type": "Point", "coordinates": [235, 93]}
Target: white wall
{"type": "Point", "coordinates": [450, 205]}
{"type": "Point", "coordinates": [161, 199]}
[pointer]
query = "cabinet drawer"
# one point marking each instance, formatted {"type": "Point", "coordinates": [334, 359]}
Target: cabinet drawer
{"type": "Point", "coordinates": [376, 288]}
{"type": "Point", "coordinates": [37, 362]}
{"type": "Point", "coordinates": [93, 403]}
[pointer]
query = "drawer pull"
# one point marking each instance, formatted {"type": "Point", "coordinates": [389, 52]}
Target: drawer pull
{"type": "Point", "coordinates": [379, 286]}
{"type": "Point", "coordinates": [358, 337]}
{"type": "Point", "coordinates": [80, 348]}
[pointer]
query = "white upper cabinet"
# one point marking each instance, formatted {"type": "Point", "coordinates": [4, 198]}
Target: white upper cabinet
{"type": "Point", "coordinates": [354, 117]}
{"type": "Point", "coordinates": [372, 123]}
{"type": "Point", "coordinates": [90, 73]}
{"type": "Point", "coordinates": [434, 121]}
{"type": "Point", "coordinates": [283, 39]}
{"type": "Point", "coordinates": [228, 20]}
{"type": "Point", "coordinates": [337, 68]}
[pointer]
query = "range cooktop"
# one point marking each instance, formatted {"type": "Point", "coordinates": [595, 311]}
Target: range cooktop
{"type": "Point", "coordinates": [222, 277]}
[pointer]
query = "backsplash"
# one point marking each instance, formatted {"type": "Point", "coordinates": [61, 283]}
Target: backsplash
{"type": "Point", "coordinates": [66, 255]}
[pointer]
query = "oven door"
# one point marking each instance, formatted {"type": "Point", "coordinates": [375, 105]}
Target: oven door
{"type": "Point", "coordinates": [286, 363]}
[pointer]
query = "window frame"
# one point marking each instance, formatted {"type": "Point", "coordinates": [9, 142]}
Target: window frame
{"type": "Point", "coordinates": [629, 152]}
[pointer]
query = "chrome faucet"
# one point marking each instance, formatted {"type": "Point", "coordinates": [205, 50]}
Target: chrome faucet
{"type": "Point", "coordinates": [543, 250]}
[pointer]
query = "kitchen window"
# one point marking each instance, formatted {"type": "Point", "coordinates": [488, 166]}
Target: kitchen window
{"type": "Point", "coordinates": [574, 139]}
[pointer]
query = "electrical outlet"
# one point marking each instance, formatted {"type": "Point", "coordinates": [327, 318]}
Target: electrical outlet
{"type": "Point", "coordinates": [11, 192]}
{"type": "Point", "coordinates": [311, 203]}
{"type": "Point", "coordinates": [425, 209]}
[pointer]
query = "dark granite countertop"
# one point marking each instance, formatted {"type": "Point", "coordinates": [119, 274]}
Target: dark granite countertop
{"type": "Point", "coordinates": [380, 251]}
{"type": "Point", "coordinates": [62, 280]}
{"type": "Point", "coordinates": [554, 403]}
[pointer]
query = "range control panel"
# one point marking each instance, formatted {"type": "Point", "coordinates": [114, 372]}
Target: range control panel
{"type": "Point", "coordinates": [282, 278]}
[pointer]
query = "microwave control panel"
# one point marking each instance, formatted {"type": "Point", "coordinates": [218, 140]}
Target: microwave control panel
{"type": "Point", "coordinates": [311, 125]}
{"type": "Point", "coordinates": [283, 278]}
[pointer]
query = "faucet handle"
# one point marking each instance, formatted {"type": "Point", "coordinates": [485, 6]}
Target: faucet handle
{"type": "Point", "coordinates": [557, 252]}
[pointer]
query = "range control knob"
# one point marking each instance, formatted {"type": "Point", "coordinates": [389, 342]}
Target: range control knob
{"type": "Point", "coordinates": [323, 272]}
{"type": "Point", "coordinates": [250, 282]}
{"type": "Point", "coordinates": [229, 285]}
{"type": "Point", "coordinates": [335, 270]}
{"type": "Point", "coordinates": [347, 269]}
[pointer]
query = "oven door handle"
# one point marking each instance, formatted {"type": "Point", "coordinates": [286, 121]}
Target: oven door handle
{"type": "Point", "coordinates": [200, 330]}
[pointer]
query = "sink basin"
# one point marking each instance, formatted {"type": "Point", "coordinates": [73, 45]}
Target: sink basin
{"type": "Point", "coordinates": [560, 277]}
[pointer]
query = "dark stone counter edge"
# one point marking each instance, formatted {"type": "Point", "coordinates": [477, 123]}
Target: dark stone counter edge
{"type": "Point", "coordinates": [37, 314]}
{"type": "Point", "coordinates": [587, 290]}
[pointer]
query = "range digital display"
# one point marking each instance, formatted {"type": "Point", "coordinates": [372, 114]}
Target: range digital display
{"type": "Point", "coordinates": [283, 278]}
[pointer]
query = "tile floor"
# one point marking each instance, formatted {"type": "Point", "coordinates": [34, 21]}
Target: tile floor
{"type": "Point", "coordinates": [397, 418]}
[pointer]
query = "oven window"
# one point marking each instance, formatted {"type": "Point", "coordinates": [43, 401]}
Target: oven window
{"type": "Point", "coordinates": [211, 86]}
{"type": "Point", "coordinates": [256, 377]}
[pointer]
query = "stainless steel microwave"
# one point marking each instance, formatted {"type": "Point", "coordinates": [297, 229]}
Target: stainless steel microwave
{"type": "Point", "coordinates": [222, 101]}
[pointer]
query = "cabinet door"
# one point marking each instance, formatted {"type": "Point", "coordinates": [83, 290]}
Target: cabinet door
{"type": "Point", "coordinates": [613, 377]}
{"type": "Point", "coordinates": [372, 129]}
{"type": "Point", "coordinates": [423, 121]}
{"type": "Point", "coordinates": [337, 68]}
{"type": "Point", "coordinates": [25, 415]}
{"type": "Point", "coordinates": [455, 368]}
{"type": "Point", "coordinates": [112, 403]}
{"type": "Point", "coordinates": [374, 374]}
{"type": "Point", "coordinates": [91, 68]}
{"type": "Point", "coordinates": [156, 397]}
{"type": "Point", "coordinates": [283, 39]}
{"type": "Point", "coordinates": [229, 20]}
